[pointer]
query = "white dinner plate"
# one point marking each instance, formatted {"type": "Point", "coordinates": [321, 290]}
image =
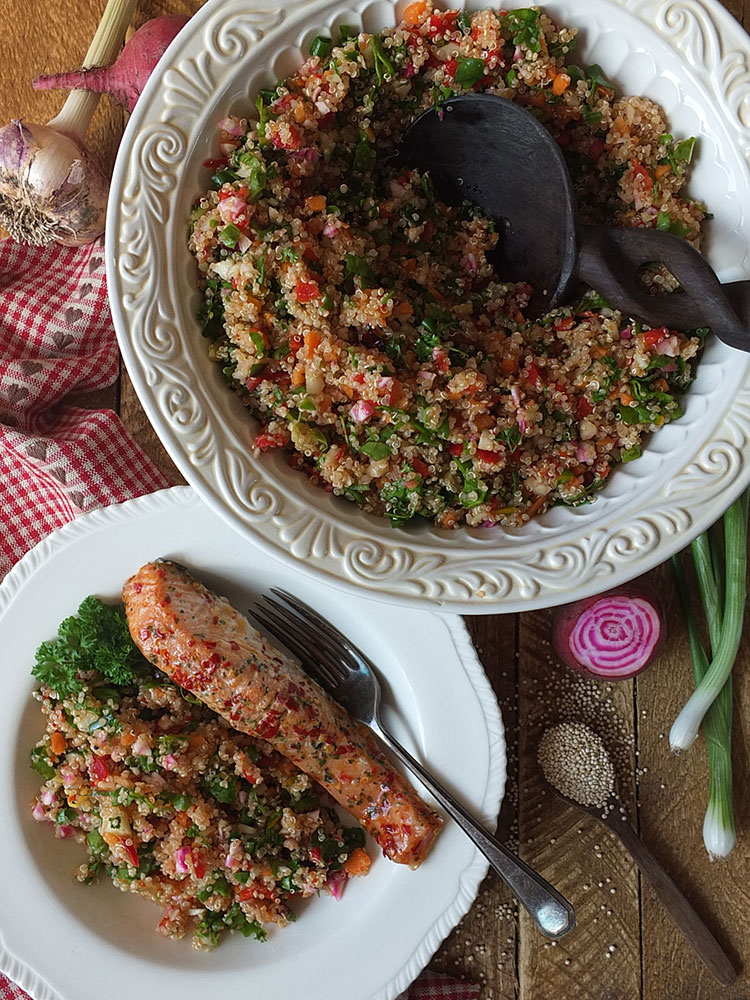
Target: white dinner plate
{"type": "Point", "coordinates": [61, 940]}
{"type": "Point", "coordinates": [692, 58]}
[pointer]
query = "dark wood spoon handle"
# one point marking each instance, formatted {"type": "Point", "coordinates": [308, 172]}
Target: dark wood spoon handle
{"type": "Point", "coordinates": [609, 260]}
{"type": "Point", "coordinates": [700, 937]}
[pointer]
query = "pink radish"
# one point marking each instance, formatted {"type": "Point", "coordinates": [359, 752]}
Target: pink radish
{"type": "Point", "coordinates": [613, 635]}
{"type": "Point", "coordinates": [126, 77]}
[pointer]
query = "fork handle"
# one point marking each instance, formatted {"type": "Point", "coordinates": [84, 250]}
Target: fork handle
{"type": "Point", "coordinates": [551, 912]}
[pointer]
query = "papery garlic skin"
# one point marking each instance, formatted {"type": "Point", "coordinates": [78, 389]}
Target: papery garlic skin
{"type": "Point", "coordinates": [51, 188]}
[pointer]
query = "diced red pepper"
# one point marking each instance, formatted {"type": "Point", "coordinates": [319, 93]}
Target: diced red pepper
{"type": "Point", "coordinates": [221, 161]}
{"type": "Point", "coordinates": [131, 852]}
{"type": "Point", "coordinates": [420, 467]}
{"type": "Point", "coordinates": [535, 376]}
{"type": "Point", "coordinates": [455, 448]}
{"type": "Point", "coordinates": [295, 342]}
{"type": "Point", "coordinates": [640, 171]}
{"type": "Point", "coordinates": [596, 149]}
{"type": "Point", "coordinates": [441, 23]}
{"type": "Point", "coordinates": [583, 408]}
{"type": "Point", "coordinates": [450, 66]}
{"type": "Point", "coordinates": [99, 769]}
{"type": "Point", "coordinates": [265, 441]}
{"type": "Point", "coordinates": [652, 337]}
{"type": "Point", "coordinates": [566, 323]}
{"type": "Point", "coordinates": [485, 455]}
{"type": "Point", "coordinates": [282, 103]}
{"type": "Point", "coordinates": [268, 726]}
{"type": "Point", "coordinates": [290, 140]}
{"type": "Point", "coordinates": [563, 139]}
{"type": "Point", "coordinates": [306, 291]}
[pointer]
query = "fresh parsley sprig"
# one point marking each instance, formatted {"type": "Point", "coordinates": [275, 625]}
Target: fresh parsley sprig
{"type": "Point", "coordinates": [95, 640]}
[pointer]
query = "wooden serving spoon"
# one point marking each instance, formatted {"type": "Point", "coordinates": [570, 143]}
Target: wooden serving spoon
{"type": "Point", "coordinates": [492, 152]}
{"type": "Point", "coordinates": [705, 945]}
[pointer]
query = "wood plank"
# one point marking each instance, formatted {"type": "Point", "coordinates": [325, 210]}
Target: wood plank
{"type": "Point", "coordinates": [600, 959]}
{"type": "Point", "coordinates": [673, 792]}
{"type": "Point", "coordinates": [138, 424]}
{"type": "Point", "coordinates": [483, 946]}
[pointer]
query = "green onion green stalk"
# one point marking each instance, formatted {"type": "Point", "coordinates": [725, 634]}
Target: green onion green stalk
{"type": "Point", "coordinates": [722, 583]}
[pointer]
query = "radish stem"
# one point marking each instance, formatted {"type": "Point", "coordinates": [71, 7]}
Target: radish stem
{"type": "Point", "coordinates": [78, 110]}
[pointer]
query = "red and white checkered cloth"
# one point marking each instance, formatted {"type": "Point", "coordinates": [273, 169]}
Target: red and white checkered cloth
{"type": "Point", "coordinates": [429, 986]}
{"type": "Point", "coordinates": [58, 460]}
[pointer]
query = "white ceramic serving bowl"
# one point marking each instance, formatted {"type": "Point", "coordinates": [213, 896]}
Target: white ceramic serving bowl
{"type": "Point", "coordinates": [692, 58]}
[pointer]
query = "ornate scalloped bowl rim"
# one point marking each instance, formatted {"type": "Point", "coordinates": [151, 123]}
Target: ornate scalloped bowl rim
{"type": "Point", "coordinates": [563, 556]}
{"type": "Point", "coordinates": [161, 502]}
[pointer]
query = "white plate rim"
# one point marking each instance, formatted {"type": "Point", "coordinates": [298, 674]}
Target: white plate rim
{"type": "Point", "coordinates": [162, 503]}
{"type": "Point", "coordinates": [549, 565]}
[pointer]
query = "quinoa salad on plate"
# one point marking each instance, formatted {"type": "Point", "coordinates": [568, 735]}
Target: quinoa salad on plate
{"type": "Point", "coordinates": [169, 801]}
{"type": "Point", "coordinates": [359, 318]}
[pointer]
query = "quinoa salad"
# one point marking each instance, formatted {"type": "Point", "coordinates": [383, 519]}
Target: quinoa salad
{"type": "Point", "coordinates": [360, 319]}
{"type": "Point", "coordinates": [170, 802]}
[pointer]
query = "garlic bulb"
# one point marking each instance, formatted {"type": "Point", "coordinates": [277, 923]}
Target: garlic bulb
{"type": "Point", "coordinates": [51, 188]}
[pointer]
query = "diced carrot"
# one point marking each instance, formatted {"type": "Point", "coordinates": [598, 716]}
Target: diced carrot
{"type": "Point", "coordinates": [316, 203]}
{"type": "Point", "coordinates": [300, 113]}
{"type": "Point", "coordinates": [414, 11]}
{"type": "Point", "coordinates": [508, 366]}
{"type": "Point", "coordinates": [626, 398]}
{"type": "Point", "coordinates": [403, 309]}
{"type": "Point", "coordinates": [298, 376]}
{"type": "Point", "coordinates": [358, 862]}
{"type": "Point", "coordinates": [57, 742]}
{"type": "Point", "coordinates": [312, 339]}
{"type": "Point", "coordinates": [560, 84]}
{"type": "Point", "coordinates": [620, 125]}
{"type": "Point", "coordinates": [127, 739]}
{"type": "Point", "coordinates": [661, 170]}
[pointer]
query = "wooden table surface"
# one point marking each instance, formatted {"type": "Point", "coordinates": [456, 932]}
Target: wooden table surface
{"type": "Point", "coordinates": [624, 947]}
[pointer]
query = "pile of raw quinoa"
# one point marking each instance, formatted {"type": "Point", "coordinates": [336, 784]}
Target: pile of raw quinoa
{"type": "Point", "coordinates": [358, 317]}
{"type": "Point", "coordinates": [170, 802]}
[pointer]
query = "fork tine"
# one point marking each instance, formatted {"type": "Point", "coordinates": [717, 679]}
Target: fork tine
{"type": "Point", "coordinates": [338, 640]}
{"type": "Point", "coordinates": [341, 659]}
{"type": "Point", "coordinates": [283, 630]}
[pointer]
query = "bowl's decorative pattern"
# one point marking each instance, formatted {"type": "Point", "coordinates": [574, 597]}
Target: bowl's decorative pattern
{"type": "Point", "coordinates": [691, 56]}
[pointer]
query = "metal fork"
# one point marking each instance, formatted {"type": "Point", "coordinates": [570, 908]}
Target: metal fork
{"type": "Point", "coordinates": [350, 678]}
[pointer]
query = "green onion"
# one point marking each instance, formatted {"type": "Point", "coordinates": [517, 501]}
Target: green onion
{"type": "Point", "coordinates": [685, 728]}
{"type": "Point", "coordinates": [383, 65]}
{"type": "Point", "coordinates": [718, 825]}
{"type": "Point", "coordinates": [229, 235]}
{"type": "Point", "coordinates": [321, 46]}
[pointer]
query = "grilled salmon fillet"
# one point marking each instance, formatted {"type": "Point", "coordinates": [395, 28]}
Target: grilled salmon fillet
{"type": "Point", "coordinates": [205, 645]}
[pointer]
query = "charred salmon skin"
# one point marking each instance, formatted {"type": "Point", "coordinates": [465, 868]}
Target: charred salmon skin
{"type": "Point", "coordinates": [206, 646]}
